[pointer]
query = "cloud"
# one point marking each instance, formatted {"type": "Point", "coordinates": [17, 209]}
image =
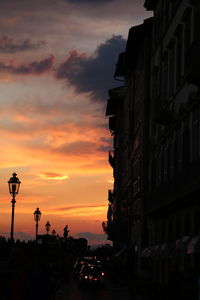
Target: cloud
{"type": "Point", "coordinates": [81, 210]}
{"type": "Point", "coordinates": [10, 45]}
{"type": "Point", "coordinates": [68, 208]}
{"type": "Point", "coordinates": [33, 68]}
{"type": "Point", "coordinates": [93, 74]}
{"type": "Point", "coordinates": [53, 176]}
{"type": "Point", "coordinates": [77, 147]}
{"type": "Point", "coordinates": [91, 236]}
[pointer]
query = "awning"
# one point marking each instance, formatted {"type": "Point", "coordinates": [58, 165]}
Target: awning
{"type": "Point", "coordinates": [193, 245]}
{"type": "Point", "coordinates": [164, 248]}
{"type": "Point", "coordinates": [146, 252]}
{"type": "Point", "coordinates": [182, 244]}
{"type": "Point", "coordinates": [156, 250]}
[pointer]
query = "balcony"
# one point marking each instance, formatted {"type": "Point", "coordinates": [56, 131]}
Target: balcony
{"type": "Point", "coordinates": [110, 196]}
{"type": "Point", "coordinates": [119, 72]}
{"type": "Point", "coordinates": [110, 229]}
{"type": "Point", "coordinates": [112, 124]}
{"type": "Point", "coordinates": [111, 159]}
{"type": "Point", "coordinates": [115, 100]}
{"type": "Point", "coordinates": [192, 74]}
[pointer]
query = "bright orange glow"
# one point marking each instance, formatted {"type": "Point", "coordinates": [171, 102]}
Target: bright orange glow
{"type": "Point", "coordinates": [53, 176]}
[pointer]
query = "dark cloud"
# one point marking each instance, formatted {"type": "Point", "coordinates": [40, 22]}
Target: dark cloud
{"type": "Point", "coordinates": [93, 74]}
{"type": "Point", "coordinates": [108, 144]}
{"type": "Point", "coordinates": [10, 45]}
{"type": "Point", "coordinates": [91, 236]}
{"type": "Point", "coordinates": [78, 147]}
{"type": "Point", "coordinates": [36, 67]}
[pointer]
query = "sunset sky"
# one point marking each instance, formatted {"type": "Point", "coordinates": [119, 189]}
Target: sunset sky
{"type": "Point", "coordinates": [57, 59]}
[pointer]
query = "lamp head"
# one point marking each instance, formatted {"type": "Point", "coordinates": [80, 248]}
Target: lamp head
{"type": "Point", "coordinates": [37, 215]}
{"type": "Point", "coordinates": [14, 184]}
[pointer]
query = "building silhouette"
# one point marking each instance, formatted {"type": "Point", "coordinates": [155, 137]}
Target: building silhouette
{"type": "Point", "coordinates": [154, 209]}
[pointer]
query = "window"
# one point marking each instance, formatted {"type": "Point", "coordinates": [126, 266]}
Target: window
{"type": "Point", "coordinates": [187, 225]}
{"type": "Point", "coordinates": [155, 83]}
{"type": "Point", "coordinates": [178, 227]}
{"type": "Point", "coordinates": [153, 172]}
{"type": "Point", "coordinates": [197, 27]}
{"type": "Point", "coordinates": [170, 235]}
{"type": "Point", "coordinates": [187, 37]}
{"type": "Point", "coordinates": [165, 79]}
{"type": "Point", "coordinates": [180, 152]}
{"type": "Point", "coordinates": [179, 54]}
{"type": "Point", "coordinates": [195, 134]}
{"type": "Point", "coordinates": [163, 231]}
{"type": "Point", "coordinates": [158, 231]}
{"type": "Point", "coordinates": [186, 143]}
{"type": "Point", "coordinates": [197, 223]}
{"type": "Point", "coordinates": [167, 12]}
{"type": "Point", "coordinates": [166, 158]}
{"type": "Point", "coordinates": [159, 167]}
{"type": "Point", "coordinates": [171, 157]}
{"type": "Point", "coordinates": [177, 150]}
{"type": "Point", "coordinates": [162, 164]}
{"type": "Point", "coordinates": [157, 29]}
{"type": "Point", "coordinates": [137, 111]}
{"type": "Point", "coordinates": [136, 175]}
{"type": "Point", "coordinates": [174, 5]}
{"type": "Point", "coordinates": [171, 69]}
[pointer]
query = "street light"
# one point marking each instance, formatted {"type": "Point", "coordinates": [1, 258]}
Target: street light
{"type": "Point", "coordinates": [13, 185]}
{"type": "Point", "coordinates": [37, 217]}
{"type": "Point", "coordinates": [47, 226]}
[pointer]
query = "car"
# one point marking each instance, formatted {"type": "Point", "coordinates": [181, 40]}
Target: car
{"type": "Point", "coordinates": [97, 276]}
{"type": "Point", "coordinates": [84, 274]}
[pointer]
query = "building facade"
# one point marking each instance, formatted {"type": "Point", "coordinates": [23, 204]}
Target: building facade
{"type": "Point", "coordinates": [128, 122]}
{"type": "Point", "coordinates": [172, 206]}
{"type": "Point", "coordinates": [154, 118]}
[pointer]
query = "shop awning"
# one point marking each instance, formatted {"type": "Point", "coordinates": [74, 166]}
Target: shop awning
{"type": "Point", "coordinates": [182, 244]}
{"type": "Point", "coordinates": [146, 252]}
{"type": "Point", "coordinates": [156, 250]}
{"type": "Point", "coordinates": [194, 245]}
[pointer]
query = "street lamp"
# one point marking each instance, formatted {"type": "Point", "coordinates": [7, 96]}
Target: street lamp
{"type": "Point", "coordinates": [47, 226]}
{"type": "Point", "coordinates": [13, 185]}
{"type": "Point", "coordinates": [37, 217]}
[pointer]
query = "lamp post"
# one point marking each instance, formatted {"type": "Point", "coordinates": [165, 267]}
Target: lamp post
{"type": "Point", "coordinates": [37, 217]}
{"type": "Point", "coordinates": [13, 185]}
{"type": "Point", "coordinates": [47, 226]}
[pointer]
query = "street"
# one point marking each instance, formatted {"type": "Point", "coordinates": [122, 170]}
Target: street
{"type": "Point", "coordinates": [71, 291]}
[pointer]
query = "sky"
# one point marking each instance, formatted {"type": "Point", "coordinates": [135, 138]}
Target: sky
{"type": "Point", "coordinates": [57, 60]}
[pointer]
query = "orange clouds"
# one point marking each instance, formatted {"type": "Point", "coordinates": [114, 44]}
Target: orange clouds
{"type": "Point", "coordinates": [53, 176]}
